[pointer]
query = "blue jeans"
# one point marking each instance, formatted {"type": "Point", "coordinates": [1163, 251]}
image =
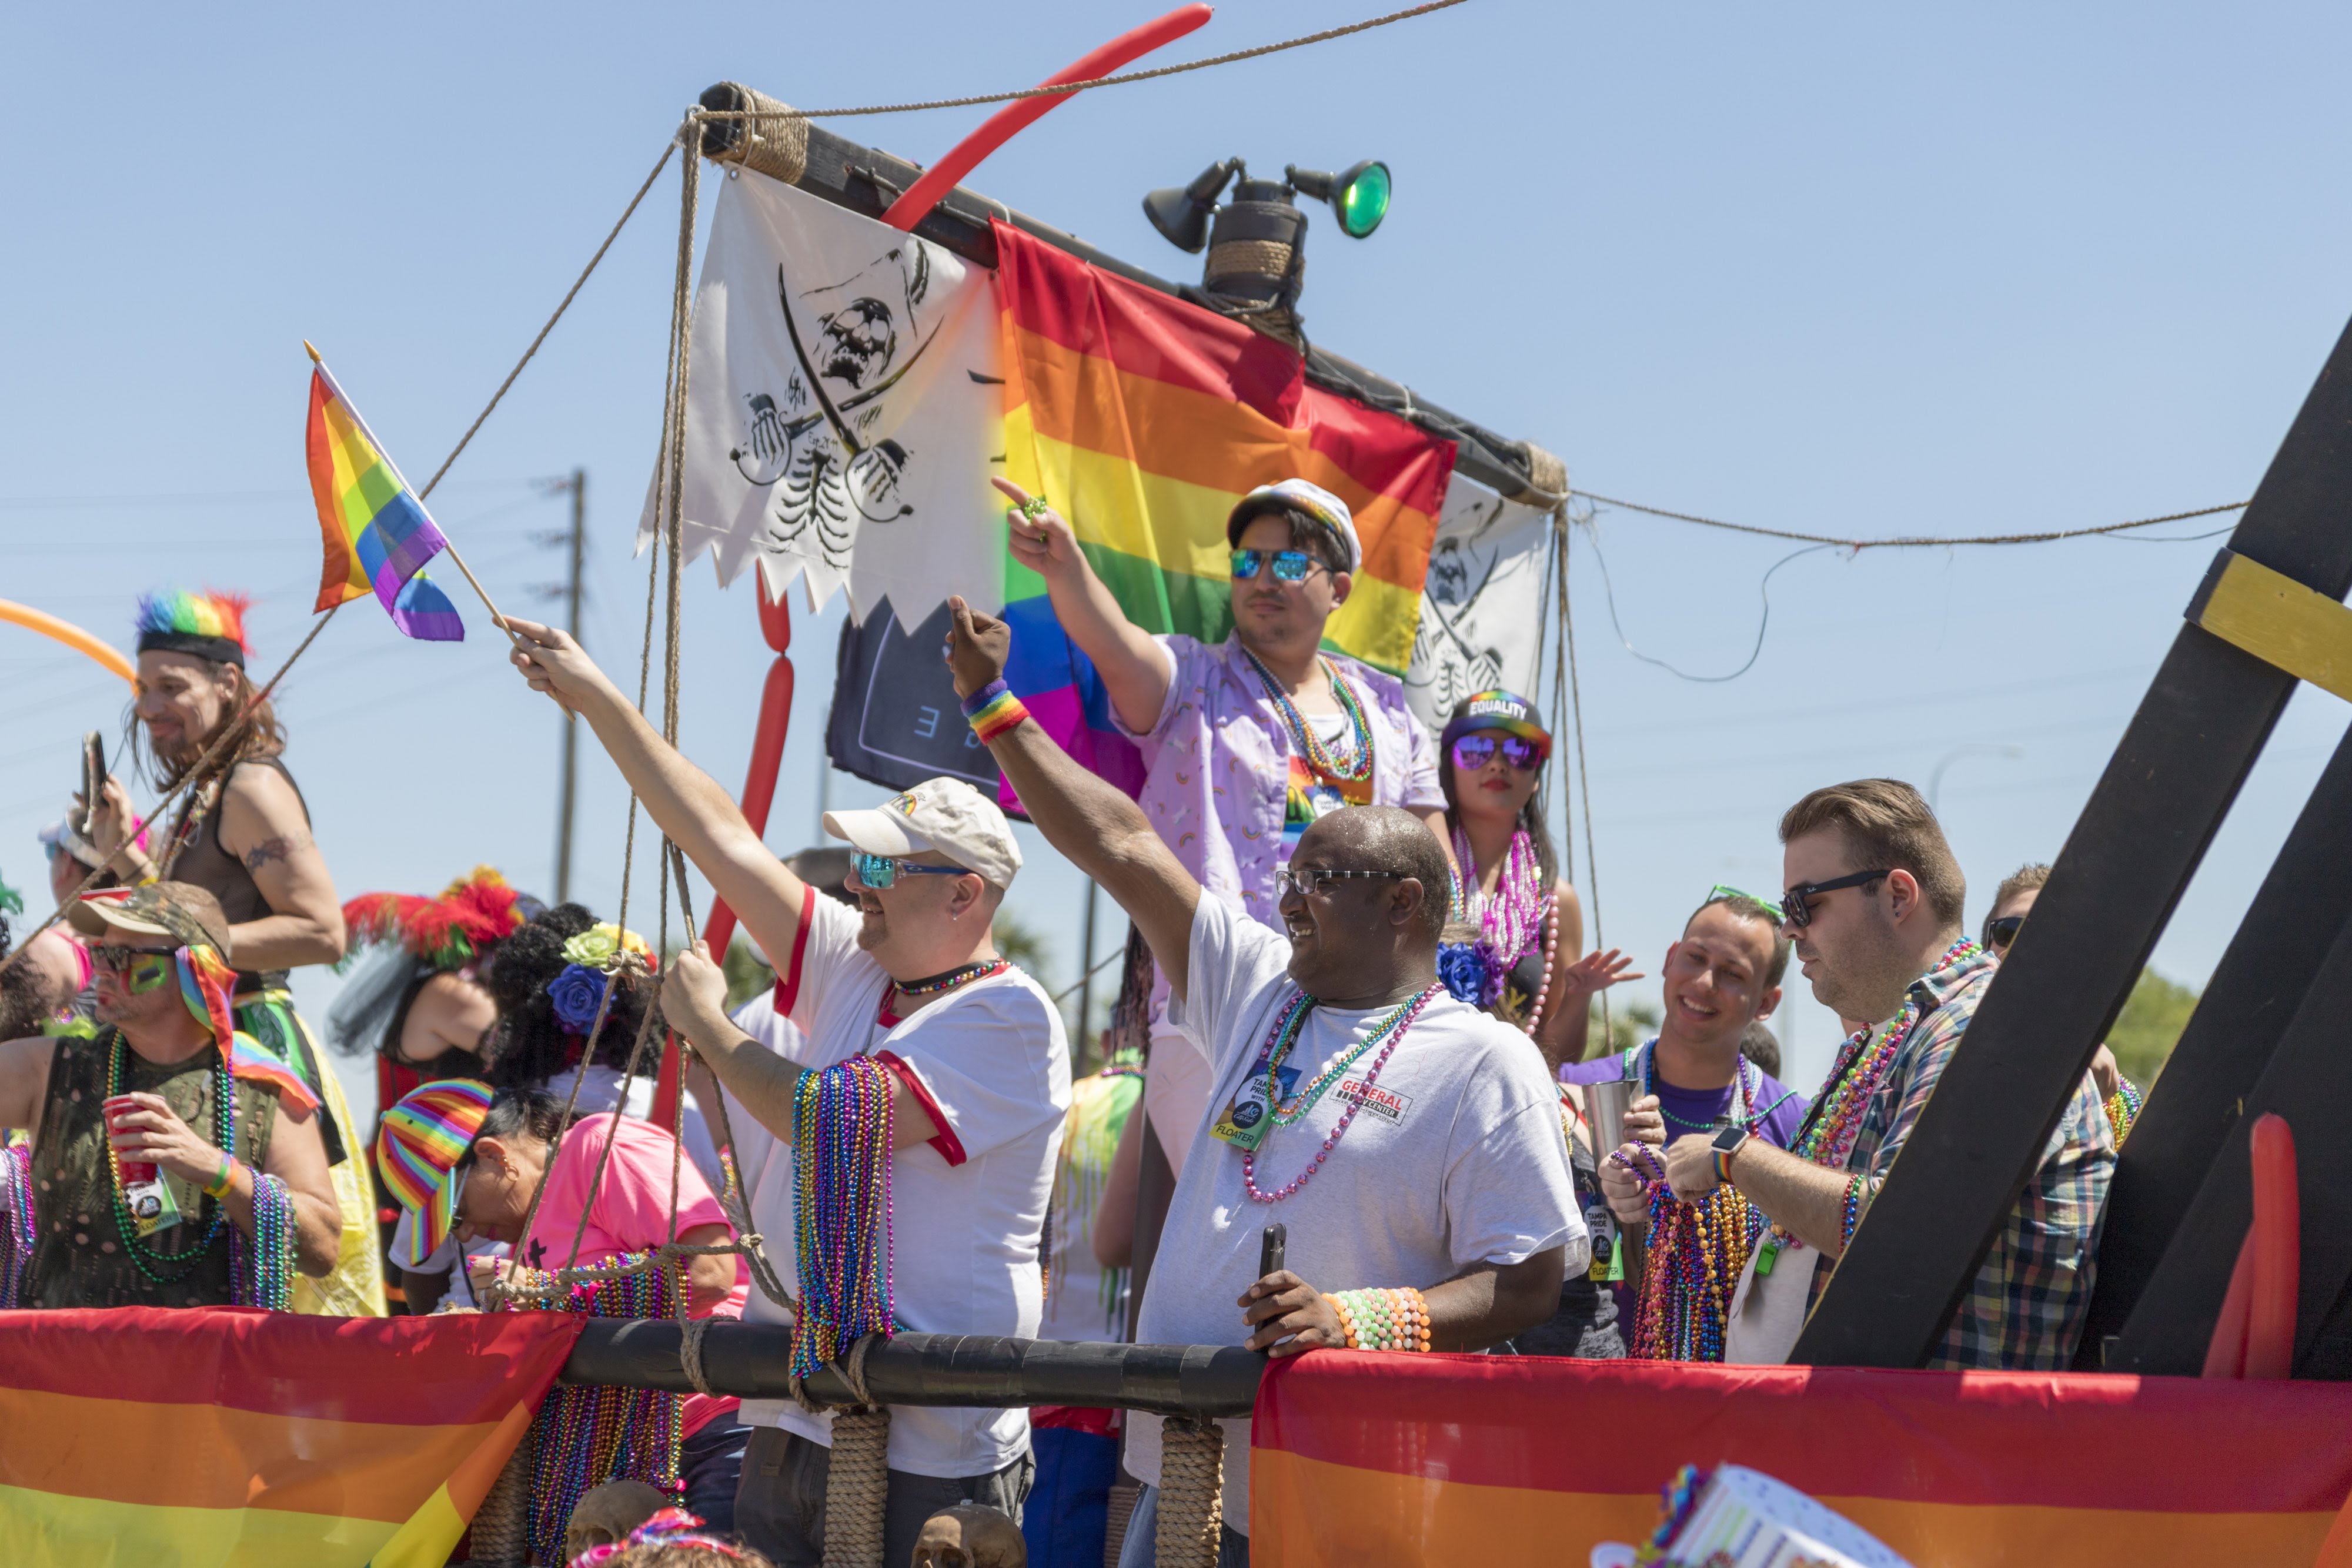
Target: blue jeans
{"type": "Point", "coordinates": [710, 1462]}
{"type": "Point", "coordinates": [1141, 1547]}
{"type": "Point", "coordinates": [1068, 1515]}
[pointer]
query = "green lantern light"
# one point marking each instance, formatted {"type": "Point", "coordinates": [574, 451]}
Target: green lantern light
{"type": "Point", "coordinates": [1359, 196]}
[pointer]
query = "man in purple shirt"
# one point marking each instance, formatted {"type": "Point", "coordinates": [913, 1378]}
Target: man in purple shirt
{"type": "Point", "coordinates": [1247, 742]}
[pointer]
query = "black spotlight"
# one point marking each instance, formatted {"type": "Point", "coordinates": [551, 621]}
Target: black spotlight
{"type": "Point", "coordinates": [1181, 213]}
{"type": "Point", "coordinates": [1359, 196]}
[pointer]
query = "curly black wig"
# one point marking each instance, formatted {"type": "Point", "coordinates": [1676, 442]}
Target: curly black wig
{"type": "Point", "coordinates": [529, 1045]}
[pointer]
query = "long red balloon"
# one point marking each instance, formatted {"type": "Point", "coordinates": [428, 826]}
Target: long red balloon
{"type": "Point", "coordinates": [1009, 121]}
{"type": "Point", "coordinates": [2278, 1252]}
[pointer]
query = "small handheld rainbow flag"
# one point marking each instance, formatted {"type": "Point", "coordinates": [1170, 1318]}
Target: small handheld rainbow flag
{"type": "Point", "coordinates": [376, 532]}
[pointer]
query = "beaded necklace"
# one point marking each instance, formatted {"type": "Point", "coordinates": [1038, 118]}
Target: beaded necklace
{"type": "Point", "coordinates": [1698, 1251]}
{"type": "Point", "coordinates": [16, 1248]}
{"type": "Point", "coordinates": [843, 1239]}
{"type": "Point", "coordinates": [1743, 1109]}
{"type": "Point", "coordinates": [2123, 1109]}
{"type": "Point", "coordinates": [1393, 1028]}
{"type": "Point", "coordinates": [986, 968]}
{"type": "Point", "coordinates": [1353, 769]}
{"type": "Point", "coordinates": [1827, 1138]}
{"type": "Point", "coordinates": [1510, 919]}
{"type": "Point", "coordinates": [1284, 1035]}
{"type": "Point", "coordinates": [155, 1264]}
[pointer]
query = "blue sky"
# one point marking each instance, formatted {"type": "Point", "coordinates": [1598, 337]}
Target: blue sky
{"type": "Point", "coordinates": [1830, 268]}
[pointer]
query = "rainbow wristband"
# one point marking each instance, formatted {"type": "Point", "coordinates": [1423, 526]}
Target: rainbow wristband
{"type": "Point", "coordinates": [223, 1179]}
{"type": "Point", "coordinates": [992, 710]}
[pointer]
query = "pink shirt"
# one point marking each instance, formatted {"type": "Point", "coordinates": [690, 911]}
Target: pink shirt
{"type": "Point", "coordinates": [1218, 763]}
{"type": "Point", "coordinates": [630, 1214]}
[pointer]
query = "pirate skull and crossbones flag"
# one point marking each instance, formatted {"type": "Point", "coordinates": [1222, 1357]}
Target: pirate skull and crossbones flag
{"type": "Point", "coordinates": [843, 410]}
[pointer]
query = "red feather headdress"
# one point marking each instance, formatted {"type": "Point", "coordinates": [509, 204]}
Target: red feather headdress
{"type": "Point", "coordinates": [471, 916]}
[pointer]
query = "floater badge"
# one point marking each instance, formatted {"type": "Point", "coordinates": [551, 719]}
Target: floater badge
{"type": "Point", "coordinates": [1246, 1119]}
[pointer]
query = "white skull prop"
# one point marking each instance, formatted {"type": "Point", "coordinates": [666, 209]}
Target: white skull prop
{"type": "Point", "coordinates": [970, 1536]}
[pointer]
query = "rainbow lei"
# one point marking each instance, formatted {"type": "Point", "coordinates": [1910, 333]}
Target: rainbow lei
{"type": "Point", "coordinates": [1831, 1127]}
{"type": "Point", "coordinates": [1354, 769]}
{"type": "Point", "coordinates": [843, 1237]}
{"type": "Point", "coordinates": [992, 710]}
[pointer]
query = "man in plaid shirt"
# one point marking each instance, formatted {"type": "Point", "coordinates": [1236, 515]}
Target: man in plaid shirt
{"type": "Point", "coordinates": [1874, 905]}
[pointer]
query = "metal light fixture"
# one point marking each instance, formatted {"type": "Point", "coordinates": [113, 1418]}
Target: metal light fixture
{"type": "Point", "coordinates": [1256, 241]}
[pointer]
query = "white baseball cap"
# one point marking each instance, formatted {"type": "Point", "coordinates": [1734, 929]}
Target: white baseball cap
{"type": "Point", "coordinates": [943, 814]}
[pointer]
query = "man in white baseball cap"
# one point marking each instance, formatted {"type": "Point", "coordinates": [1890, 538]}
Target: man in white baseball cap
{"type": "Point", "coordinates": [1247, 741]}
{"type": "Point", "coordinates": [978, 1072]}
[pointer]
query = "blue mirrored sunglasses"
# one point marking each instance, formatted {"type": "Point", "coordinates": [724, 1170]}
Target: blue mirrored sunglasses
{"type": "Point", "coordinates": [881, 871]}
{"type": "Point", "coordinates": [1289, 565]}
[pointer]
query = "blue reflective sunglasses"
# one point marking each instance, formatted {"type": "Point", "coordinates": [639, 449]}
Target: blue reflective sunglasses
{"type": "Point", "coordinates": [881, 871]}
{"type": "Point", "coordinates": [1289, 565]}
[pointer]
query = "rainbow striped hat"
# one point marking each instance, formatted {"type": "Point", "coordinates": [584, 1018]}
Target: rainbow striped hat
{"type": "Point", "coordinates": [423, 1138]}
{"type": "Point", "coordinates": [1498, 709]}
{"type": "Point", "coordinates": [211, 624]}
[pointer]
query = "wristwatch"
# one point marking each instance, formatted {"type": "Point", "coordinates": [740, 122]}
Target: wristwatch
{"type": "Point", "coordinates": [1725, 1143]}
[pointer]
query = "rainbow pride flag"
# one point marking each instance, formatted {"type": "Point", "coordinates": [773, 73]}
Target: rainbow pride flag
{"type": "Point", "coordinates": [1144, 419]}
{"type": "Point", "coordinates": [376, 533]}
{"type": "Point", "coordinates": [219, 1436]}
{"type": "Point", "coordinates": [1360, 1460]}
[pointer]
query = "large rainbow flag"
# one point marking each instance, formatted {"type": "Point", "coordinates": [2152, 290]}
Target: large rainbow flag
{"type": "Point", "coordinates": [1360, 1459]}
{"type": "Point", "coordinates": [1144, 419]}
{"type": "Point", "coordinates": [376, 533]}
{"type": "Point", "coordinates": [204, 1436]}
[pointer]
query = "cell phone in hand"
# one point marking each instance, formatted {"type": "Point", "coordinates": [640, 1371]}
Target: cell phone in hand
{"type": "Point", "coordinates": [93, 777]}
{"type": "Point", "coordinates": [1270, 1249]}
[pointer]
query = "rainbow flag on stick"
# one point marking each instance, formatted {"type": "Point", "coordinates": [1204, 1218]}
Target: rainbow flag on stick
{"type": "Point", "coordinates": [1361, 1458]}
{"type": "Point", "coordinates": [377, 534]}
{"type": "Point", "coordinates": [220, 1435]}
{"type": "Point", "coordinates": [1143, 419]}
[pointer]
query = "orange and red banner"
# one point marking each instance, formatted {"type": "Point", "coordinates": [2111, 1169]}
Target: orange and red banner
{"type": "Point", "coordinates": [219, 1436]}
{"type": "Point", "coordinates": [1360, 1460]}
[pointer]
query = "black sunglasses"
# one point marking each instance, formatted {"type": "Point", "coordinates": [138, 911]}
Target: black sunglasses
{"type": "Point", "coordinates": [2000, 933]}
{"type": "Point", "coordinates": [1797, 902]}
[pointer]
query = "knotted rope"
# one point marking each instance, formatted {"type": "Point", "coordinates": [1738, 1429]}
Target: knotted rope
{"type": "Point", "coordinates": [1192, 1492]}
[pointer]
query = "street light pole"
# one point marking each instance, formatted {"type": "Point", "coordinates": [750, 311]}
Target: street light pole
{"type": "Point", "coordinates": [578, 485]}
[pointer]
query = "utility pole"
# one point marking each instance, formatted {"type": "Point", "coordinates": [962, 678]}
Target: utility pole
{"type": "Point", "coordinates": [578, 485]}
{"type": "Point", "coordinates": [1086, 974]}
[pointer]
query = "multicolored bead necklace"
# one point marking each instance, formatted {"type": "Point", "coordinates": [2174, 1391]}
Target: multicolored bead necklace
{"type": "Point", "coordinates": [1831, 1127]}
{"type": "Point", "coordinates": [2123, 1108]}
{"type": "Point", "coordinates": [162, 1268]}
{"type": "Point", "coordinates": [842, 1236]}
{"type": "Point", "coordinates": [1698, 1251]}
{"type": "Point", "coordinates": [1644, 1070]}
{"type": "Point", "coordinates": [1393, 1029]}
{"type": "Point", "coordinates": [1353, 770]}
{"type": "Point", "coordinates": [262, 1267]}
{"type": "Point", "coordinates": [1510, 919]}
{"type": "Point", "coordinates": [16, 1248]}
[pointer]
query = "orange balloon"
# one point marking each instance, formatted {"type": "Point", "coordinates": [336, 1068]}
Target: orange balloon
{"type": "Point", "coordinates": [71, 635]}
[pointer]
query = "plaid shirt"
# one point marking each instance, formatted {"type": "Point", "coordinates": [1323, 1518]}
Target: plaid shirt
{"type": "Point", "coordinates": [2024, 1311]}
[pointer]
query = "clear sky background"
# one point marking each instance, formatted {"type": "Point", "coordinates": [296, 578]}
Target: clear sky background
{"type": "Point", "coordinates": [1831, 268]}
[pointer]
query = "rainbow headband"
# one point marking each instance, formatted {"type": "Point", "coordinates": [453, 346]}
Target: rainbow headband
{"type": "Point", "coordinates": [208, 625]}
{"type": "Point", "coordinates": [1498, 709]}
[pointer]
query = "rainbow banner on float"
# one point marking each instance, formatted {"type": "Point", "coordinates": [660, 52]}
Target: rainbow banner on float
{"type": "Point", "coordinates": [376, 533]}
{"type": "Point", "coordinates": [1143, 419]}
{"type": "Point", "coordinates": [1464, 1461]}
{"type": "Point", "coordinates": [219, 1436]}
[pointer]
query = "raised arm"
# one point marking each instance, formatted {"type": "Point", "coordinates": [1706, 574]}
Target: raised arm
{"type": "Point", "coordinates": [1135, 669]}
{"type": "Point", "coordinates": [1103, 833]}
{"type": "Point", "coordinates": [686, 802]}
{"type": "Point", "coordinates": [263, 824]}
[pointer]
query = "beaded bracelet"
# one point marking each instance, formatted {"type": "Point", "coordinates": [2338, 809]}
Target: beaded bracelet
{"type": "Point", "coordinates": [992, 710]}
{"type": "Point", "coordinates": [1382, 1319]}
{"type": "Point", "coordinates": [1852, 1215]}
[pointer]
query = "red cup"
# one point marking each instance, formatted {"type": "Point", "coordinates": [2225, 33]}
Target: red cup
{"type": "Point", "coordinates": [133, 1171]}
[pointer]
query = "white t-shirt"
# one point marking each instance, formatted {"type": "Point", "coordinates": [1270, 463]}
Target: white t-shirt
{"type": "Point", "coordinates": [1455, 1160]}
{"type": "Point", "coordinates": [991, 1065]}
{"type": "Point", "coordinates": [1175, 1092]}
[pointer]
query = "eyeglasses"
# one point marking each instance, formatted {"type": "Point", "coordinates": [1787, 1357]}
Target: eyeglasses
{"type": "Point", "coordinates": [2000, 933]}
{"type": "Point", "coordinates": [1289, 565]}
{"type": "Point", "coordinates": [1796, 905]}
{"type": "Point", "coordinates": [882, 871]}
{"type": "Point", "coordinates": [1724, 890]}
{"type": "Point", "coordinates": [1316, 880]}
{"type": "Point", "coordinates": [146, 968]}
{"type": "Point", "coordinates": [1472, 752]}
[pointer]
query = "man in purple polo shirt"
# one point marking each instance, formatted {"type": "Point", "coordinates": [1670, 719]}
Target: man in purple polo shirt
{"type": "Point", "coordinates": [1247, 741]}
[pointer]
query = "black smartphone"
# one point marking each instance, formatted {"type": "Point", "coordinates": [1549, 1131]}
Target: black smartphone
{"type": "Point", "coordinates": [93, 776]}
{"type": "Point", "coordinates": [1270, 1249]}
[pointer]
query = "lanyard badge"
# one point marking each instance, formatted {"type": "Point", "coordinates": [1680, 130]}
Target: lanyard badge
{"type": "Point", "coordinates": [1246, 1120]}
